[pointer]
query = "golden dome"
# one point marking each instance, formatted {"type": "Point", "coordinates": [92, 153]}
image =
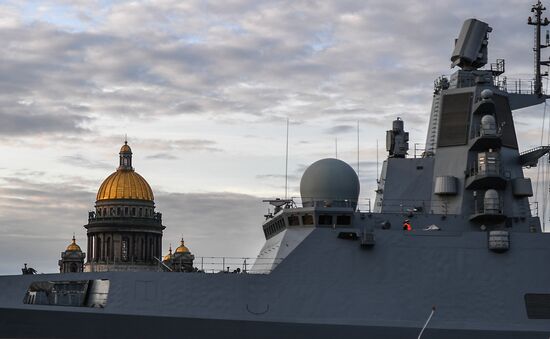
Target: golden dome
{"type": "Point", "coordinates": [169, 255]}
{"type": "Point", "coordinates": [125, 148]}
{"type": "Point", "coordinates": [73, 247]}
{"type": "Point", "coordinates": [182, 248]}
{"type": "Point", "coordinates": [125, 184]}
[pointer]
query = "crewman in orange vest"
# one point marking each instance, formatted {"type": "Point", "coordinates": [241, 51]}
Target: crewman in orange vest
{"type": "Point", "coordinates": [407, 225]}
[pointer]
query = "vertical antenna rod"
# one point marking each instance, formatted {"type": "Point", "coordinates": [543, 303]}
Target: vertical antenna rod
{"type": "Point", "coordinates": [357, 148]}
{"type": "Point", "coordinates": [286, 161]}
{"type": "Point", "coordinates": [538, 22]}
{"type": "Point", "coordinates": [377, 177]}
{"type": "Point", "coordinates": [336, 147]}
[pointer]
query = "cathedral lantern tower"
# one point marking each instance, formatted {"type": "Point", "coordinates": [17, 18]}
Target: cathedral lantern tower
{"type": "Point", "coordinates": [72, 260]}
{"type": "Point", "coordinates": [124, 231]}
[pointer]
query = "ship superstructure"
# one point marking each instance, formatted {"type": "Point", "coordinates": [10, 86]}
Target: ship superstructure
{"type": "Point", "coordinates": [475, 260]}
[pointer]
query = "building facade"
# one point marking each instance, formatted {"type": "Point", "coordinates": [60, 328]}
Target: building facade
{"type": "Point", "coordinates": [179, 261]}
{"type": "Point", "coordinates": [72, 259]}
{"type": "Point", "coordinates": [124, 230]}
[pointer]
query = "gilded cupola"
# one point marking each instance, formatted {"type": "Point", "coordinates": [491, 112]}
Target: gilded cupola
{"type": "Point", "coordinates": [182, 248]}
{"type": "Point", "coordinates": [125, 183]}
{"type": "Point", "coordinates": [73, 247]}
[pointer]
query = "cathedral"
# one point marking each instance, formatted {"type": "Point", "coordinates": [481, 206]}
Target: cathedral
{"type": "Point", "coordinates": [124, 230]}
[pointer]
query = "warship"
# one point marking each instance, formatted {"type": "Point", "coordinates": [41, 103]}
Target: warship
{"type": "Point", "coordinates": [450, 248]}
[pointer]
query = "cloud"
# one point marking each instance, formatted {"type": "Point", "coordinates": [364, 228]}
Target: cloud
{"type": "Point", "coordinates": [340, 129]}
{"type": "Point", "coordinates": [163, 156]}
{"type": "Point", "coordinates": [23, 123]}
{"type": "Point", "coordinates": [79, 160]}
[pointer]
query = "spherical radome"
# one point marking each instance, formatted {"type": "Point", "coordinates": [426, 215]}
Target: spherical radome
{"type": "Point", "coordinates": [488, 120]}
{"type": "Point", "coordinates": [486, 94]}
{"type": "Point", "coordinates": [331, 182]}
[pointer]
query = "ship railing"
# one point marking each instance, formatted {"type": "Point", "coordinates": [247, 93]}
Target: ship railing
{"type": "Point", "coordinates": [515, 86]}
{"type": "Point", "coordinates": [412, 206]}
{"type": "Point", "coordinates": [418, 149]}
{"type": "Point", "coordinates": [480, 208]}
{"type": "Point", "coordinates": [362, 204]}
{"type": "Point", "coordinates": [236, 265]}
{"type": "Point", "coordinates": [489, 171]}
{"type": "Point", "coordinates": [249, 265]}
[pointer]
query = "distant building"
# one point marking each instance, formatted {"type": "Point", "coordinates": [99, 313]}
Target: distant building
{"type": "Point", "coordinates": [124, 231]}
{"type": "Point", "coordinates": [72, 259]}
{"type": "Point", "coordinates": [181, 260]}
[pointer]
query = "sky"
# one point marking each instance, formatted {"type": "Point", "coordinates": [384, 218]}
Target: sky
{"type": "Point", "coordinates": [203, 89]}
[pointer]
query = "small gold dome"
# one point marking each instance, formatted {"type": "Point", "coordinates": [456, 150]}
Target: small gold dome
{"type": "Point", "coordinates": [182, 248]}
{"type": "Point", "coordinates": [169, 255]}
{"type": "Point", "coordinates": [125, 148]}
{"type": "Point", "coordinates": [73, 247]}
{"type": "Point", "coordinates": [125, 184]}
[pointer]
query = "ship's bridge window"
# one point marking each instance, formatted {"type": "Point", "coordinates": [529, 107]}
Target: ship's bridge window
{"type": "Point", "coordinates": [343, 220]}
{"type": "Point", "coordinates": [293, 220]}
{"type": "Point", "coordinates": [76, 293]}
{"type": "Point", "coordinates": [325, 219]}
{"type": "Point", "coordinates": [307, 219]}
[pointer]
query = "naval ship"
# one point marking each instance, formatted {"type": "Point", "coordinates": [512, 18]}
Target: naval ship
{"type": "Point", "coordinates": [450, 249]}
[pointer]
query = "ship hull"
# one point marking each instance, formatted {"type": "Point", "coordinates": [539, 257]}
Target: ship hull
{"type": "Point", "coordinates": [383, 292]}
{"type": "Point", "coordinates": [64, 324]}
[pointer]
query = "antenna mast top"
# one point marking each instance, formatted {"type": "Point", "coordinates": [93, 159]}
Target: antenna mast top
{"type": "Point", "coordinates": [538, 22]}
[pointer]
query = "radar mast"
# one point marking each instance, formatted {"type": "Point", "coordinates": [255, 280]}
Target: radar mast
{"type": "Point", "coordinates": [538, 22]}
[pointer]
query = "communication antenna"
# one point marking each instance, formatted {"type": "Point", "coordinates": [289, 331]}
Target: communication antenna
{"type": "Point", "coordinates": [286, 160]}
{"type": "Point", "coordinates": [357, 148]}
{"type": "Point", "coordinates": [336, 147]}
{"type": "Point", "coordinates": [377, 176]}
{"type": "Point", "coordinates": [538, 22]}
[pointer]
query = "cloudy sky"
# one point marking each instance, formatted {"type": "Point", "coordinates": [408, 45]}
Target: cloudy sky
{"type": "Point", "coordinates": [203, 90]}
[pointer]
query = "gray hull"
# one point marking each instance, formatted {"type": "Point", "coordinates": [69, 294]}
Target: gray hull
{"type": "Point", "coordinates": [40, 324]}
{"type": "Point", "coordinates": [383, 292]}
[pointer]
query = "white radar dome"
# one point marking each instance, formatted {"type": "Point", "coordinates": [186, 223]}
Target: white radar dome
{"type": "Point", "coordinates": [329, 182]}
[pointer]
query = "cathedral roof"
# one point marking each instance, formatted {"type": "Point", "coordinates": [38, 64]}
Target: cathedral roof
{"type": "Point", "coordinates": [125, 183]}
{"type": "Point", "coordinates": [73, 247]}
{"type": "Point", "coordinates": [169, 255]}
{"type": "Point", "coordinates": [181, 248]}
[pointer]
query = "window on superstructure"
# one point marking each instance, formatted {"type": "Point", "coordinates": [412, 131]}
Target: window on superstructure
{"type": "Point", "coordinates": [325, 219]}
{"type": "Point", "coordinates": [75, 293]}
{"type": "Point", "coordinates": [343, 220]}
{"type": "Point", "coordinates": [293, 220]}
{"type": "Point", "coordinates": [307, 219]}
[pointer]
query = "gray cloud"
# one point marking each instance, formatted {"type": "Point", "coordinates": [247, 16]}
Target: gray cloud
{"type": "Point", "coordinates": [163, 156]}
{"type": "Point", "coordinates": [340, 129]}
{"type": "Point", "coordinates": [336, 59]}
{"type": "Point", "coordinates": [79, 160]}
{"type": "Point", "coordinates": [24, 123]}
